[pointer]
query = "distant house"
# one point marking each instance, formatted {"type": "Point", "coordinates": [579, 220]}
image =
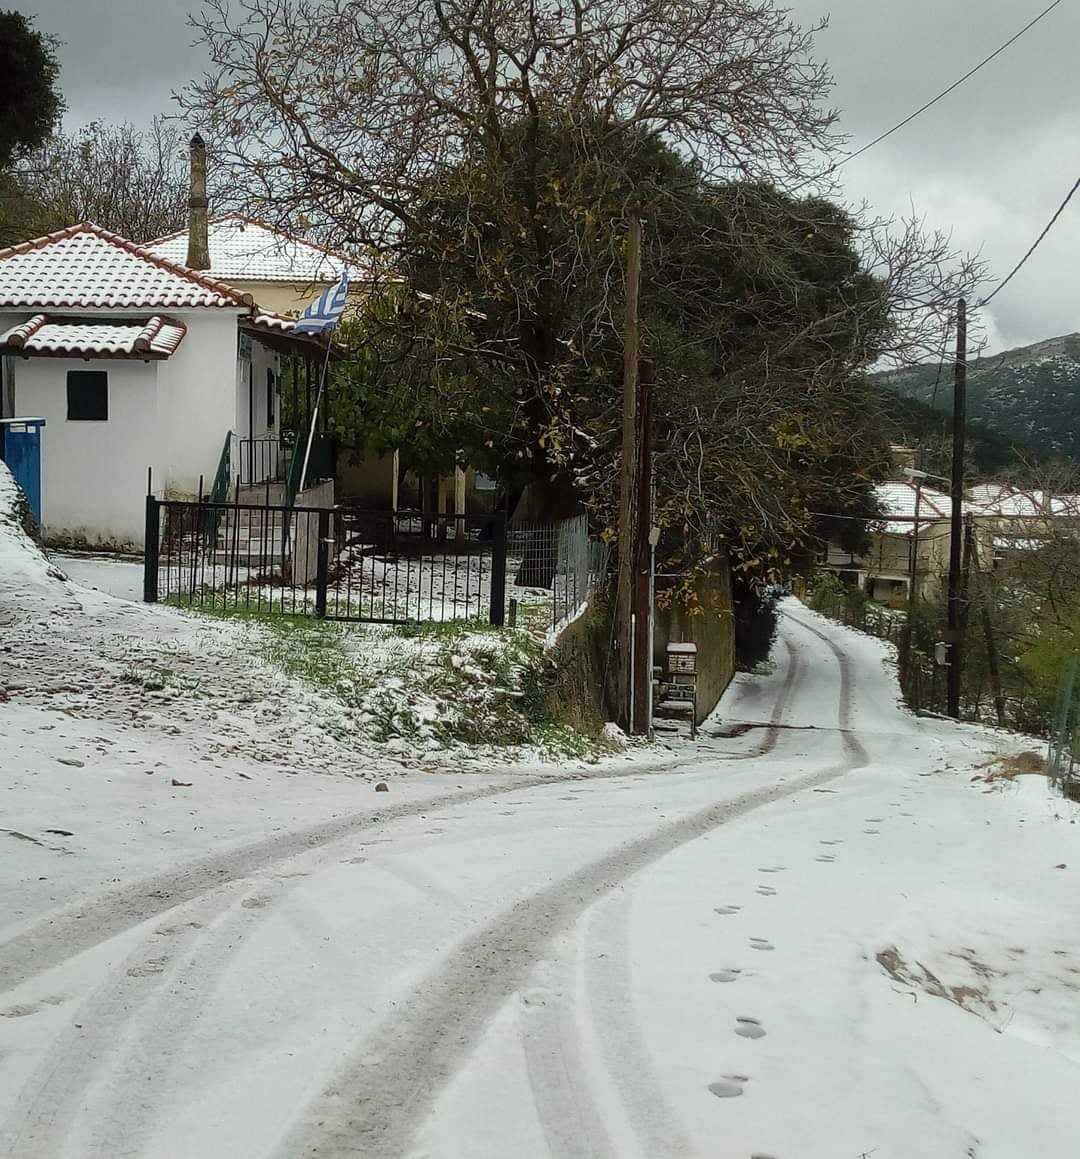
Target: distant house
{"type": "Point", "coordinates": [913, 537]}
{"type": "Point", "coordinates": [281, 272]}
{"type": "Point", "coordinates": [884, 571]}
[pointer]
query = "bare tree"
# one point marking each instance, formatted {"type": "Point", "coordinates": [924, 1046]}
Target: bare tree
{"type": "Point", "coordinates": [341, 110]}
{"type": "Point", "coordinates": [490, 150]}
{"type": "Point", "coordinates": [129, 180]}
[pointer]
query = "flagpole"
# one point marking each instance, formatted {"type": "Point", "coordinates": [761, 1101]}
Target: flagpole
{"type": "Point", "coordinates": [321, 317]}
{"type": "Point", "coordinates": [315, 414]}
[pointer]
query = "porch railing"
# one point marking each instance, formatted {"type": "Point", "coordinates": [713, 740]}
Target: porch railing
{"type": "Point", "coordinates": [259, 459]}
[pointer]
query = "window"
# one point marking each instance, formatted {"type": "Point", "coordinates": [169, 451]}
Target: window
{"type": "Point", "coordinates": [269, 398]}
{"type": "Point", "coordinates": [88, 396]}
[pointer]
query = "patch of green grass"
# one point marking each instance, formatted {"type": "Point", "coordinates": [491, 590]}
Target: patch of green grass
{"type": "Point", "coordinates": [451, 683]}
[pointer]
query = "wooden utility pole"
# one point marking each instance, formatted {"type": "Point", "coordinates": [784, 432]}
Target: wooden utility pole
{"type": "Point", "coordinates": [640, 547]}
{"type": "Point", "coordinates": [955, 658]}
{"type": "Point", "coordinates": [628, 474]}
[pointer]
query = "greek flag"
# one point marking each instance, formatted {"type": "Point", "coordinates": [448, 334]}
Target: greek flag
{"type": "Point", "coordinates": [325, 312]}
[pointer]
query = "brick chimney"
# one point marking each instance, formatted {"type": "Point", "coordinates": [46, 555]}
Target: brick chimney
{"type": "Point", "coordinates": [198, 253]}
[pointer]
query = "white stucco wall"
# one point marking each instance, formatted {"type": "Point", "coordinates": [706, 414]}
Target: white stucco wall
{"type": "Point", "coordinates": [262, 360]}
{"type": "Point", "coordinates": [171, 415]}
{"type": "Point", "coordinates": [95, 472]}
{"type": "Point", "coordinates": [197, 392]}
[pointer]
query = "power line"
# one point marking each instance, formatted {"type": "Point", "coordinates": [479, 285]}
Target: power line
{"type": "Point", "coordinates": [934, 100]}
{"type": "Point", "coordinates": [1034, 246]}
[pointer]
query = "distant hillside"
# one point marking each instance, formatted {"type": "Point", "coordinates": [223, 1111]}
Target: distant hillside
{"type": "Point", "coordinates": [916, 424]}
{"type": "Point", "coordinates": [1030, 395]}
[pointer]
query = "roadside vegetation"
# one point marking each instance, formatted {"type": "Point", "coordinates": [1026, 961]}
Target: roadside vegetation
{"type": "Point", "coordinates": [422, 688]}
{"type": "Point", "coordinates": [1020, 626]}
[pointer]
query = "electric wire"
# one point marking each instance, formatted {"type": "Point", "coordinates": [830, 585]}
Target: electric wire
{"type": "Point", "coordinates": [1034, 246]}
{"type": "Point", "coordinates": [934, 100]}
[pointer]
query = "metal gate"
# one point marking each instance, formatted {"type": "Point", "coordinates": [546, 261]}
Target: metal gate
{"type": "Point", "coordinates": [339, 563]}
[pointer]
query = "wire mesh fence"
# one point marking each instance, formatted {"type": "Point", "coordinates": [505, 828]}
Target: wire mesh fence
{"type": "Point", "coordinates": [557, 562]}
{"type": "Point", "coordinates": [1063, 750]}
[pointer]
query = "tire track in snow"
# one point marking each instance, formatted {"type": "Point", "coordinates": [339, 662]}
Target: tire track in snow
{"type": "Point", "coordinates": [654, 1120]}
{"type": "Point", "coordinates": [851, 742]}
{"type": "Point", "coordinates": [791, 680]}
{"type": "Point", "coordinates": [380, 1099]}
{"type": "Point", "coordinates": [772, 728]}
{"type": "Point", "coordinates": [558, 1077]}
{"type": "Point", "coordinates": [152, 1051]}
{"type": "Point", "coordinates": [54, 1096]}
{"type": "Point", "coordinates": [62, 934]}
{"type": "Point", "coordinates": [573, 1125]}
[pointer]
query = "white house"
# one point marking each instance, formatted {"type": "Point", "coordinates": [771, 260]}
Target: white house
{"type": "Point", "coordinates": [136, 363]}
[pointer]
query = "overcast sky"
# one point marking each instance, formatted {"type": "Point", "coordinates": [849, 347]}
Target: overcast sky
{"type": "Point", "coordinates": [991, 162]}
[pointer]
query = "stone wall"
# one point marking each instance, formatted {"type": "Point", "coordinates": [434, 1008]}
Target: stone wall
{"type": "Point", "coordinates": [580, 671]}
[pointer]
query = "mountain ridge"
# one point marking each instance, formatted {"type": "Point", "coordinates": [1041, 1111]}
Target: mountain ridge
{"type": "Point", "coordinates": [1029, 395]}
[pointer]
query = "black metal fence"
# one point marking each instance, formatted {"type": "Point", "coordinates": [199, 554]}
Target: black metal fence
{"type": "Point", "coordinates": [339, 563]}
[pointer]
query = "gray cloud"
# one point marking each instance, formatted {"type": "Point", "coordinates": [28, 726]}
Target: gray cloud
{"type": "Point", "coordinates": [991, 162]}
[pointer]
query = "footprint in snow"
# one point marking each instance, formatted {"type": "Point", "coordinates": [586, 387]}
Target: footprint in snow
{"type": "Point", "coordinates": [761, 944]}
{"type": "Point", "coordinates": [873, 832]}
{"type": "Point", "coordinates": [772, 869]}
{"type": "Point", "coordinates": [25, 1008]}
{"type": "Point", "coordinates": [731, 975]}
{"type": "Point", "coordinates": [728, 909]}
{"type": "Point", "coordinates": [766, 891]}
{"type": "Point", "coordinates": [827, 857]}
{"type": "Point", "coordinates": [730, 1086]}
{"type": "Point", "coordinates": [874, 820]}
{"type": "Point", "coordinates": [749, 1028]}
{"type": "Point", "coordinates": [836, 842]}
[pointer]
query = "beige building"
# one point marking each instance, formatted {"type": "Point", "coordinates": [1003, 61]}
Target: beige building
{"type": "Point", "coordinates": [915, 530]}
{"type": "Point", "coordinates": [913, 539]}
{"type": "Point", "coordinates": [281, 272]}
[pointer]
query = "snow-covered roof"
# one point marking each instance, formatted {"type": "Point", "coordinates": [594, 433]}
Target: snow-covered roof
{"type": "Point", "coordinates": [1005, 500]}
{"type": "Point", "coordinates": [897, 501]}
{"type": "Point", "coordinates": [266, 319]}
{"type": "Point", "coordinates": [251, 251]}
{"type": "Point", "coordinates": [87, 267]}
{"type": "Point", "coordinates": [271, 326]}
{"type": "Point", "coordinates": [154, 337]}
{"type": "Point", "coordinates": [1017, 543]}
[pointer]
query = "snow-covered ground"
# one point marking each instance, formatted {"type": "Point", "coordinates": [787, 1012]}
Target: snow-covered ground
{"type": "Point", "coordinates": [837, 932]}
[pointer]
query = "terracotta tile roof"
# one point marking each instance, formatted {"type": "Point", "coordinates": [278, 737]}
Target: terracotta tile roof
{"type": "Point", "coordinates": [280, 325]}
{"type": "Point", "coordinates": [251, 251]}
{"type": "Point", "coordinates": [41, 335]}
{"type": "Point", "coordinates": [266, 320]}
{"type": "Point", "coordinates": [87, 267]}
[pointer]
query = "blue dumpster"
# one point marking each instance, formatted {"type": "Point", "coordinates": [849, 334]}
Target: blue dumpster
{"type": "Point", "coordinates": [20, 448]}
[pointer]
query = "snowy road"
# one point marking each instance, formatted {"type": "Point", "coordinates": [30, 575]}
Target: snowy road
{"type": "Point", "coordinates": [816, 938]}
